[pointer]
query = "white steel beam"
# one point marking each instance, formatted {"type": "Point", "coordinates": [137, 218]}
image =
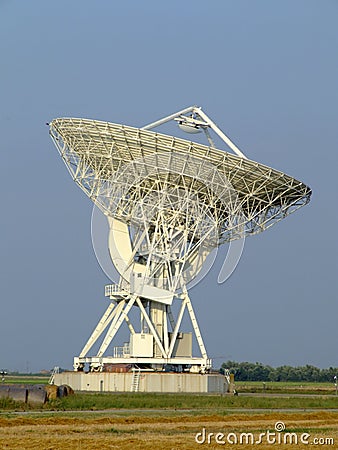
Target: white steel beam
{"type": "Point", "coordinates": [112, 329]}
{"type": "Point", "coordinates": [144, 360]}
{"type": "Point", "coordinates": [168, 118]}
{"type": "Point", "coordinates": [165, 330]}
{"type": "Point", "coordinates": [151, 328]}
{"type": "Point", "coordinates": [171, 318]}
{"type": "Point", "coordinates": [101, 326]}
{"type": "Point", "coordinates": [219, 132]}
{"type": "Point", "coordinates": [195, 325]}
{"type": "Point", "coordinates": [177, 327]}
{"type": "Point", "coordinates": [130, 325]}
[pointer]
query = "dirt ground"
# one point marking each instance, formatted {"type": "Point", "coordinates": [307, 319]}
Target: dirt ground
{"type": "Point", "coordinates": [140, 432]}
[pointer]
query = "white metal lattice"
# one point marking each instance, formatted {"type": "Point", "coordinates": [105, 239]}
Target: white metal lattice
{"type": "Point", "coordinates": [171, 201]}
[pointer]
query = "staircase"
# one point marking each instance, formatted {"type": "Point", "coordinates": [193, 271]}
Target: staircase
{"type": "Point", "coordinates": [135, 382]}
{"type": "Point", "coordinates": [52, 376]}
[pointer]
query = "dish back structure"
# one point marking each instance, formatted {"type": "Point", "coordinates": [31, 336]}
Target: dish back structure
{"type": "Point", "coordinates": [169, 202]}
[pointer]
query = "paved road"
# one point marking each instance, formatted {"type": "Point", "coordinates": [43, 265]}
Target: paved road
{"type": "Point", "coordinates": [166, 412]}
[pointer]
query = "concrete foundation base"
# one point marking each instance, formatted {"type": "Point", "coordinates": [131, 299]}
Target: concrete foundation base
{"type": "Point", "coordinates": [143, 382]}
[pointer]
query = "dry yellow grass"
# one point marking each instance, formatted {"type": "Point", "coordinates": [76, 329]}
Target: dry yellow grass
{"type": "Point", "coordinates": [164, 432]}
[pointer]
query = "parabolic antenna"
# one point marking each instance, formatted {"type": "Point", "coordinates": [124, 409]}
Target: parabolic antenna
{"type": "Point", "coordinates": [169, 202]}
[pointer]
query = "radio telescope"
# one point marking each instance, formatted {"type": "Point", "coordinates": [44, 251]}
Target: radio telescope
{"type": "Point", "coordinates": [169, 202]}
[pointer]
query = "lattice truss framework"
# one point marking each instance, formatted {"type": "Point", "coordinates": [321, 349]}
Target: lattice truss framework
{"type": "Point", "coordinates": [180, 199]}
{"type": "Point", "coordinates": [121, 168]}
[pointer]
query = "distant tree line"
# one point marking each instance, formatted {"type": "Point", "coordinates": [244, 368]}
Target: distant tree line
{"type": "Point", "coordinates": [246, 371]}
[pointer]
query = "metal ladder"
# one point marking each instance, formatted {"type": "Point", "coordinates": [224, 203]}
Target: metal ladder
{"type": "Point", "coordinates": [54, 372]}
{"type": "Point", "coordinates": [135, 382]}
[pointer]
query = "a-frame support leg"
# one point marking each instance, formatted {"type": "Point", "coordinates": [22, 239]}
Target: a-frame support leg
{"type": "Point", "coordinates": [116, 323]}
{"type": "Point", "coordinates": [195, 325]}
{"type": "Point", "coordinates": [101, 326]}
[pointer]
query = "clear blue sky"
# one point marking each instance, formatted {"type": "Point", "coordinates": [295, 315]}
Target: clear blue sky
{"type": "Point", "coordinates": [265, 71]}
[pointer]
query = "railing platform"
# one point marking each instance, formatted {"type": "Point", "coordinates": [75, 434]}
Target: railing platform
{"type": "Point", "coordinates": [115, 290]}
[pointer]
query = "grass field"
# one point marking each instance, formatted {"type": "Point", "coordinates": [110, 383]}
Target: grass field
{"type": "Point", "coordinates": [285, 387]}
{"type": "Point", "coordinates": [186, 401]}
{"type": "Point", "coordinates": [166, 431]}
{"type": "Point", "coordinates": [195, 402]}
{"type": "Point", "coordinates": [171, 421]}
{"type": "Point", "coordinates": [26, 379]}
